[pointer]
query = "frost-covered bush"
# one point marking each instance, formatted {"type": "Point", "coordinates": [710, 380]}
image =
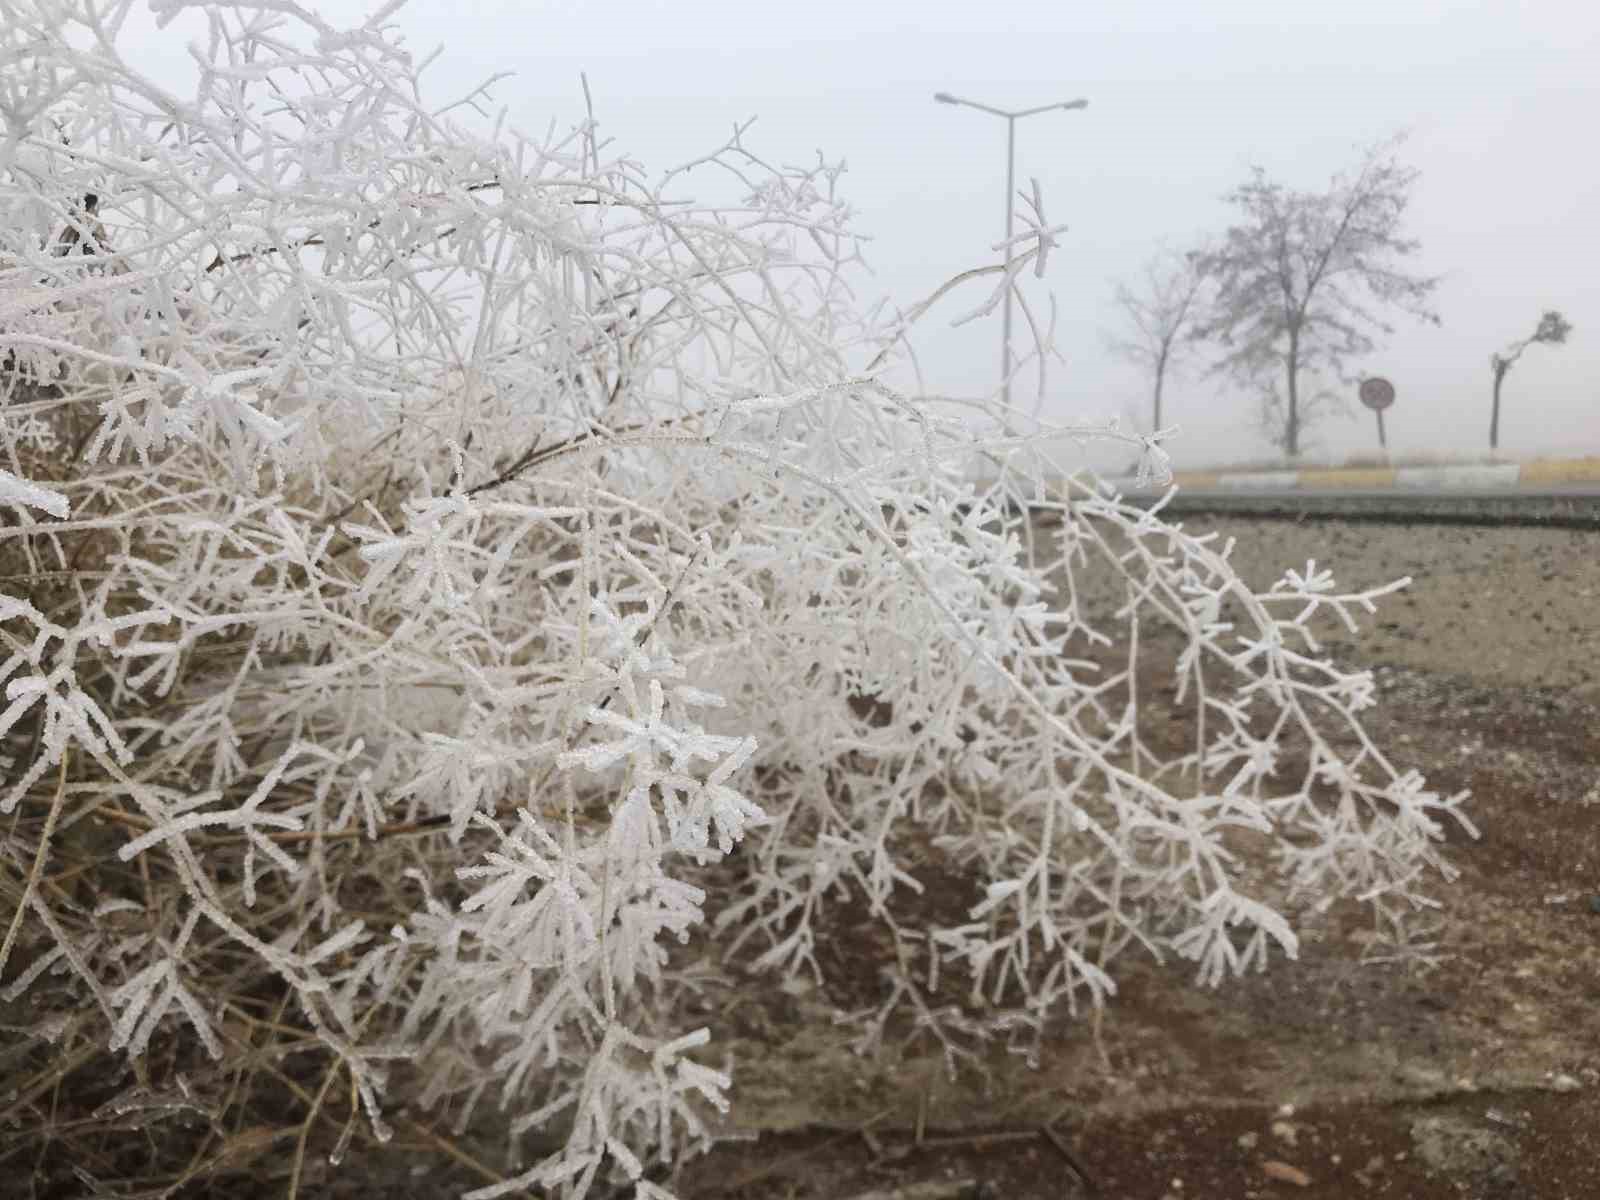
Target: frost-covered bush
{"type": "Point", "coordinates": [429, 552]}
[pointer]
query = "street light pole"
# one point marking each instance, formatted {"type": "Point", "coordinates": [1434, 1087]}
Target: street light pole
{"type": "Point", "coordinates": [1011, 216]}
{"type": "Point", "coordinates": [1011, 170]}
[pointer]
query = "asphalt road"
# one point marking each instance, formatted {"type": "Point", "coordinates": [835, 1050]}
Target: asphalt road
{"type": "Point", "coordinates": [1570, 506]}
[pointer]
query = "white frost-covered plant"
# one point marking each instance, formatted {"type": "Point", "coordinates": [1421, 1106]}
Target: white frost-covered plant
{"type": "Point", "coordinates": [429, 552]}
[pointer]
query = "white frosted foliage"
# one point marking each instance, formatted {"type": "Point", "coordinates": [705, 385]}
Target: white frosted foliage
{"type": "Point", "coordinates": [470, 595]}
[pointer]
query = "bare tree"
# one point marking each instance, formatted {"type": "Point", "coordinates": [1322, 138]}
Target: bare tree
{"type": "Point", "coordinates": [1158, 310]}
{"type": "Point", "coordinates": [1304, 277]}
{"type": "Point", "coordinates": [1552, 330]}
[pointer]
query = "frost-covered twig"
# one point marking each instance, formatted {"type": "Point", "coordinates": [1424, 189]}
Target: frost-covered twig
{"type": "Point", "coordinates": [440, 481]}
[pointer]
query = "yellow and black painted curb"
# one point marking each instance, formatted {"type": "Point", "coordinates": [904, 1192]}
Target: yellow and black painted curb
{"type": "Point", "coordinates": [1550, 472]}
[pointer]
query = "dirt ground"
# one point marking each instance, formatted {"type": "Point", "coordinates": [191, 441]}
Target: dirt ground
{"type": "Point", "coordinates": [1478, 1076]}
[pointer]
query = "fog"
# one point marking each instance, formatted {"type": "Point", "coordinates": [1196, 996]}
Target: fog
{"type": "Point", "coordinates": [1499, 103]}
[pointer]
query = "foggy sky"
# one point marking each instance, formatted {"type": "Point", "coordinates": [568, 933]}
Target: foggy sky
{"type": "Point", "coordinates": [1501, 103]}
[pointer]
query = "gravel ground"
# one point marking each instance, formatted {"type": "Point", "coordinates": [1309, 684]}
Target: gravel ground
{"type": "Point", "coordinates": [1506, 607]}
{"type": "Point", "coordinates": [1479, 1076]}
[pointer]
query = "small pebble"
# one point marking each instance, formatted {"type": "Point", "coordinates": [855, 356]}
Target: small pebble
{"type": "Point", "coordinates": [1285, 1173]}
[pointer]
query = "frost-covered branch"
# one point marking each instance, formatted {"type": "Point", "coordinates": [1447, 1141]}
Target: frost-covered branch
{"type": "Point", "coordinates": [455, 588]}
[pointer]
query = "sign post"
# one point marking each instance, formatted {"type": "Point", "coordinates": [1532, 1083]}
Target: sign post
{"type": "Point", "coordinates": [1377, 394]}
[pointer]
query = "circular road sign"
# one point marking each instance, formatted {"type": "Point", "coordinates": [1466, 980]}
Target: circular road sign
{"type": "Point", "coordinates": [1377, 393]}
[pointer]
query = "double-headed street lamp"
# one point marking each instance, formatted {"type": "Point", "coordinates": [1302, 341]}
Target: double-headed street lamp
{"type": "Point", "coordinates": [1011, 165]}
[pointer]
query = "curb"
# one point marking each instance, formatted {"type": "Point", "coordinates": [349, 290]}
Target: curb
{"type": "Point", "coordinates": [1492, 477]}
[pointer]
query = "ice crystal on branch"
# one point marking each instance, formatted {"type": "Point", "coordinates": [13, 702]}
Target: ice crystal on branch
{"type": "Point", "coordinates": [415, 526]}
